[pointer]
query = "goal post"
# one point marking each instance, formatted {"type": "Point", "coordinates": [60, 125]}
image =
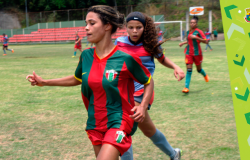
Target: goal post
{"type": "Point", "coordinates": [172, 29]}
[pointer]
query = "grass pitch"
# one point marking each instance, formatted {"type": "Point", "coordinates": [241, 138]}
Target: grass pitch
{"type": "Point", "coordinates": [49, 122]}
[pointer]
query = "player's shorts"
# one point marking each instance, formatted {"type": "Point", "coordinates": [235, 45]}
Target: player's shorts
{"type": "Point", "coordinates": [215, 36]}
{"type": "Point", "coordinates": [114, 136]}
{"type": "Point", "coordinates": [78, 46]}
{"type": "Point", "coordinates": [5, 45]}
{"type": "Point", "coordinates": [138, 95]}
{"type": "Point", "coordinates": [193, 59]}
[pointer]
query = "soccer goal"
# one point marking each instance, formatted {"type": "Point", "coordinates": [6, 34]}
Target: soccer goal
{"type": "Point", "coordinates": [172, 29]}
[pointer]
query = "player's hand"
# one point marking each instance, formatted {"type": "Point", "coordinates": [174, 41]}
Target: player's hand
{"type": "Point", "coordinates": [35, 80]}
{"type": "Point", "coordinates": [139, 114]}
{"type": "Point", "coordinates": [192, 36]}
{"type": "Point", "coordinates": [178, 73]}
{"type": "Point", "coordinates": [180, 44]}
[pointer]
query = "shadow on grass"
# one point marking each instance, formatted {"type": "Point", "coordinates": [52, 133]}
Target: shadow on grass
{"type": "Point", "coordinates": [197, 91]}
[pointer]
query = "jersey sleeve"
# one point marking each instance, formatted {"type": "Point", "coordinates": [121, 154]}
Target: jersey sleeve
{"type": "Point", "coordinates": [159, 56]}
{"type": "Point", "coordinates": [78, 72]}
{"type": "Point", "coordinates": [201, 35]}
{"type": "Point", "coordinates": [137, 71]}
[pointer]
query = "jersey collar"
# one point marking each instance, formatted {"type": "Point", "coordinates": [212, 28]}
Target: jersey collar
{"type": "Point", "coordinates": [107, 57]}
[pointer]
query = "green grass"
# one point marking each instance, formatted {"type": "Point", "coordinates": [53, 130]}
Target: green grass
{"type": "Point", "coordinates": [49, 122]}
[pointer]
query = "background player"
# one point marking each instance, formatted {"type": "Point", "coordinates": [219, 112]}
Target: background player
{"type": "Point", "coordinates": [208, 37]}
{"type": "Point", "coordinates": [78, 44]}
{"type": "Point", "coordinates": [103, 71]}
{"type": "Point", "coordinates": [5, 44]}
{"type": "Point", "coordinates": [193, 52]}
{"type": "Point", "coordinates": [215, 34]}
{"type": "Point", "coordinates": [143, 41]}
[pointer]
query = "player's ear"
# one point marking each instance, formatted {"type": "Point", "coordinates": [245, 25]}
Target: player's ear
{"type": "Point", "coordinates": [108, 26]}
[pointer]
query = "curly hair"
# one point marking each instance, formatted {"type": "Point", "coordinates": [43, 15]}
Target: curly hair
{"type": "Point", "coordinates": [149, 36]}
{"type": "Point", "coordinates": [109, 15]}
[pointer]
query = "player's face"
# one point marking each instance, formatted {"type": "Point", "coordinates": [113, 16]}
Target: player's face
{"type": "Point", "coordinates": [94, 27]}
{"type": "Point", "coordinates": [135, 30]}
{"type": "Point", "coordinates": [193, 23]}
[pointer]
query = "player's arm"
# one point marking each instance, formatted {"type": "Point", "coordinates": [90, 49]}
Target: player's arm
{"type": "Point", "coordinates": [65, 81]}
{"type": "Point", "coordinates": [199, 39]}
{"type": "Point", "coordinates": [78, 40]}
{"type": "Point", "coordinates": [140, 74]}
{"type": "Point", "coordinates": [169, 64]}
{"type": "Point", "coordinates": [182, 43]}
{"type": "Point", "coordinates": [140, 110]}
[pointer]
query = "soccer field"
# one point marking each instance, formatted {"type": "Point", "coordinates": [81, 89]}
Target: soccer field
{"type": "Point", "coordinates": [49, 122]}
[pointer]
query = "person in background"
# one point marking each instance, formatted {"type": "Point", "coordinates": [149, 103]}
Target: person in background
{"type": "Point", "coordinates": [193, 52]}
{"type": "Point", "coordinates": [5, 44]}
{"type": "Point", "coordinates": [78, 44]}
{"type": "Point", "coordinates": [208, 37]}
{"type": "Point", "coordinates": [215, 34]}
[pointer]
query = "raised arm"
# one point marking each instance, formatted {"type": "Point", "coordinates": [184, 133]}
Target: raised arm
{"type": "Point", "coordinates": [34, 79]}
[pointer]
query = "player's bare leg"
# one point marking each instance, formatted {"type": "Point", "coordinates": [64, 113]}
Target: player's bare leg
{"type": "Point", "coordinates": [147, 126]}
{"type": "Point", "coordinates": [106, 152]}
{"type": "Point", "coordinates": [97, 149]}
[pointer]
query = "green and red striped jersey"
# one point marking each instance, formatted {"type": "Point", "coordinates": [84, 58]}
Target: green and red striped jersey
{"type": "Point", "coordinates": [108, 88]}
{"type": "Point", "coordinates": [193, 48]}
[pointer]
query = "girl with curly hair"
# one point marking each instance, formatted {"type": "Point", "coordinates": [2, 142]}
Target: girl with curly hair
{"type": "Point", "coordinates": [143, 41]}
{"type": "Point", "coordinates": [102, 72]}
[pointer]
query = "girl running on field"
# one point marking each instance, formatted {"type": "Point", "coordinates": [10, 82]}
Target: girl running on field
{"type": "Point", "coordinates": [5, 45]}
{"type": "Point", "coordinates": [78, 44]}
{"type": "Point", "coordinates": [193, 52]}
{"type": "Point", "coordinates": [143, 41]}
{"type": "Point", "coordinates": [106, 76]}
{"type": "Point", "coordinates": [208, 37]}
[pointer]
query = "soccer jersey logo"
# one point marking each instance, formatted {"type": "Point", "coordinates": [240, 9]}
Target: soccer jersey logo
{"type": "Point", "coordinates": [247, 18]}
{"type": "Point", "coordinates": [119, 136]}
{"type": "Point", "coordinates": [111, 75]}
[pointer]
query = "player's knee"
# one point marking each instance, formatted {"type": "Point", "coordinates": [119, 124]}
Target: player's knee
{"type": "Point", "coordinates": [148, 133]}
{"type": "Point", "coordinates": [199, 70]}
{"type": "Point", "coordinates": [190, 69]}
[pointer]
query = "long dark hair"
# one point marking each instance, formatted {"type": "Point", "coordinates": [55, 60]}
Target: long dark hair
{"type": "Point", "coordinates": [109, 15]}
{"type": "Point", "coordinates": [149, 36]}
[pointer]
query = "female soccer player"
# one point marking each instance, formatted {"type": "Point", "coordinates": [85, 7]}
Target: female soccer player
{"type": "Point", "coordinates": [193, 52]}
{"type": "Point", "coordinates": [143, 41]}
{"type": "Point", "coordinates": [106, 74]}
{"type": "Point", "coordinates": [78, 44]}
{"type": "Point", "coordinates": [5, 45]}
{"type": "Point", "coordinates": [208, 36]}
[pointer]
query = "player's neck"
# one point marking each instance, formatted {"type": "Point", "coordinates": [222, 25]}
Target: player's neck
{"type": "Point", "coordinates": [104, 46]}
{"type": "Point", "coordinates": [192, 29]}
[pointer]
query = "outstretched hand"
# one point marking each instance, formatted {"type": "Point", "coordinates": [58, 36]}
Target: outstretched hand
{"type": "Point", "coordinates": [35, 79]}
{"type": "Point", "coordinates": [139, 114]}
{"type": "Point", "coordinates": [180, 44]}
{"type": "Point", "coordinates": [179, 74]}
